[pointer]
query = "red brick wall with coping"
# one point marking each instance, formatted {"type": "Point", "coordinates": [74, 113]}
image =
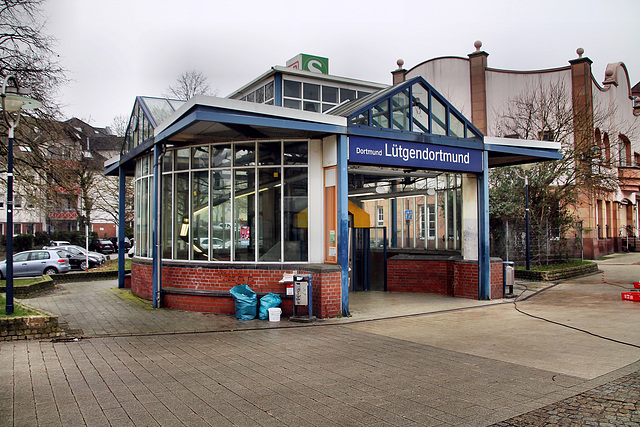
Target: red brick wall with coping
{"type": "Point", "coordinates": [218, 279]}
{"type": "Point", "coordinates": [440, 275]}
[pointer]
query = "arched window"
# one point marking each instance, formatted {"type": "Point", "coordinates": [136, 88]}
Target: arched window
{"type": "Point", "coordinates": [625, 151]}
{"type": "Point", "coordinates": [597, 142]}
{"type": "Point", "coordinates": [607, 148]}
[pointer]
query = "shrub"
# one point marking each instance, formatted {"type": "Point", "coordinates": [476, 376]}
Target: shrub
{"type": "Point", "coordinates": [22, 242]}
{"type": "Point", "coordinates": [73, 237]}
{"type": "Point", "coordinates": [41, 239]}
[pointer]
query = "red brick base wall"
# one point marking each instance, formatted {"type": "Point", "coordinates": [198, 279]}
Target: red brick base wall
{"type": "Point", "coordinates": [465, 282]}
{"type": "Point", "coordinates": [419, 276]}
{"type": "Point", "coordinates": [326, 286]}
{"type": "Point", "coordinates": [444, 276]}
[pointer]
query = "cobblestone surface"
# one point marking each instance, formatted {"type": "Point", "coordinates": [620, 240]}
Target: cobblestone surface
{"type": "Point", "coordinates": [613, 404]}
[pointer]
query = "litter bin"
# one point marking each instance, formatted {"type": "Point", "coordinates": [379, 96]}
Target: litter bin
{"type": "Point", "coordinates": [508, 278]}
{"type": "Point", "coordinates": [246, 302]}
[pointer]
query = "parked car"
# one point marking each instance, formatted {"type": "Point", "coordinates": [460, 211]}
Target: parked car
{"type": "Point", "coordinates": [37, 263]}
{"type": "Point", "coordinates": [103, 246]}
{"type": "Point", "coordinates": [56, 243]}
{"type": "Point", "coordinates": [97, 255]}
{"type": "Point", "coordinates": [77, 261]}
{"type": "Point", "coordinates": [127, 244]}
{"type": "Point", "coordinates": [79, 250]}
{"type": "Point", "coordinates": [79, 258]}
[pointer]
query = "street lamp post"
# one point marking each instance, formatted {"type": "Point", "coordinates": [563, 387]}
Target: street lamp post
{"type": "Point", "coordinates": [528, 234]}
{"type": "Point", "coordinates": [14, 99]}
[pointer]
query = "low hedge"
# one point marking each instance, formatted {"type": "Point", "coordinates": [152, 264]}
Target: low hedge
{"type": "Point", "coordinates": [559, 274]}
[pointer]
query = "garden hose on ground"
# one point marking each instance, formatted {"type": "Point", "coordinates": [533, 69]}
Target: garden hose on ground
{"type": "Point", "coordinates": [515, 305]}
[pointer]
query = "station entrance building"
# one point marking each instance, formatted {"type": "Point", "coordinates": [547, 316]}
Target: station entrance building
{"type": "Point", "coordinates": [362, 186]}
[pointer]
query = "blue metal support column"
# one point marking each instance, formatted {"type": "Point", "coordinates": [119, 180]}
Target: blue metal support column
{"type": "Point", "coordinates": [155, 252]}
{"type": "Point", "coordinates": [343, 219]}
{"type": "Point", "coordinates": [484, 264]}
{"type": "Point", "coordinates": [9, 308]}
{"type": "Point", "coordinates": [122, 188]}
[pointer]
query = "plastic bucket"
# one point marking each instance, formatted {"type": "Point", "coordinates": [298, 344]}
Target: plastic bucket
{"type": "Point", "coordinates": [274, 314]}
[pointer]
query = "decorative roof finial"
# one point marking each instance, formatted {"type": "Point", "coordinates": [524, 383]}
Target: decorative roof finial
{"type": "Point", "coordinates": [400, 63]}
{"type": "Point", "coordinates": [580, 51]}
{"type": "Point", "coordinates": [478, 45]}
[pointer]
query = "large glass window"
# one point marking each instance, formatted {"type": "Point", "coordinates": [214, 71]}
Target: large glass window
{"type": "Point", "coordinates": [269, 188]}
{"type": "Point", "coordinates": [181, 217]}
{"type": "Point", "coordinates": [221, 235]}
{"type": "Point", "coordinates": [200, 215]}
{"type": "Point", "coordinates": [244, 215]}
{"type": "Point", "coordinates": [209, 208]}
{"type": "Point", "coordinates": [296, 206]}
{"type": "Point", "coordinates": [432, 220]}
{"type": "Point", "coordinates": [167, 217]}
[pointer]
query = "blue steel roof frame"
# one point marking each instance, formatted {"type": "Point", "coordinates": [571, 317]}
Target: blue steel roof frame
{"type": "Point", "coordinates": [126, 132]}
{"type": "Point", "coordinates": [370, 101]}
{"type": "Point", "coordinates": [549, 154]}
{"type": "Point", "coordinates": [147, 112]}
{"type": "Point", "coordinates": [219, 115]}
{"type": "Point", "coordinates": [452, 141]}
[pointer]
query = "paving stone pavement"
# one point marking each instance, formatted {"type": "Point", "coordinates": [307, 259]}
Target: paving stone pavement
{"type": "Point", "coordinates": [138, 366]}
{"type": "Point", "coordinates": [616, 403]}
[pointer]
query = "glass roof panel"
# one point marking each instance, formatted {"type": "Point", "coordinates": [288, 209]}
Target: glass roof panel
{"type": "Point", "coordinates": [438, 117]}
{"type": "Point", "coordinates": [159, 108]}
{"type": "Point", "coordinates": [400, 104]}
{"type": "Point", "coordinates": [412, 105]}
{"type": "Point", "coordinates": [456, 126]}
{"type": "Point", "coordinates": [176, 103]}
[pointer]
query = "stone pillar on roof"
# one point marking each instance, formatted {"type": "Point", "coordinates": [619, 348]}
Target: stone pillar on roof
{"type": "Point", "coordinates": [400, 74]}
{"type": "Point", "coordinates": [477, 72]}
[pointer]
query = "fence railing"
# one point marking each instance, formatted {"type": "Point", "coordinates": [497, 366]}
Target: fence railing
{"type": "Point", "coordinates": [547, 245]}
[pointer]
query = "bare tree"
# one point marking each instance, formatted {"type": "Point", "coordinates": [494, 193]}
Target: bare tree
{"type": "Point", "coordinates": [189, 84]}
{"type": "Point", "coordinates": [27, 53]}
{"type": "Point", "coordinates": [547, 113]}
{"type": "Point", "coordinates": [556, 188]}
{"type": "Point", "coordinates": [119, 125]}
{"type": "Point", "coordinates": [106, 199]}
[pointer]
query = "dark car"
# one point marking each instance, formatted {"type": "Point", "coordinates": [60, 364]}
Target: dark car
{"type": "Point", "coordinates": [127, 243]}
{"type": "Point", "coordinates": [78, 261]}
{"type": "Point", "coordinates": [102, 246]}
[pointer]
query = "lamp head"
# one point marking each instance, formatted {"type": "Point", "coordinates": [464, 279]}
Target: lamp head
{"type": "Point", "coordinates": [15, 98]}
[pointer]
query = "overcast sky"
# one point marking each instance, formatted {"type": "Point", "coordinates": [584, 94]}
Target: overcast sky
{"type": "Point", "coordinates": [117, 49]}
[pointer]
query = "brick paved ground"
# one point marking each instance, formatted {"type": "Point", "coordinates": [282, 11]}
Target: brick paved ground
{"type": "Point", "coordinates": [146, 367]}
{"type": "Point", "coordinates": [321, 376]}
{"type": "Point", "coordinates": [613, 404]}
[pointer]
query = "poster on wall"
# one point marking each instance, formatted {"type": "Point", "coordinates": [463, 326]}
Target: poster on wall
{"type": "Point", "coordinates": [245, 235]}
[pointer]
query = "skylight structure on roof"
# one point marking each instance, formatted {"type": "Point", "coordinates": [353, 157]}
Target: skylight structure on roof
{"type": "Point", "coordinates": [147, 114]}
{"type": "Point", "coordinates": [412, 106]}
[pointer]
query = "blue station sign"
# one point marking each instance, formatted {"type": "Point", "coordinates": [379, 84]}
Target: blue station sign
{"type": "Point", "coordinates": [387, 152]}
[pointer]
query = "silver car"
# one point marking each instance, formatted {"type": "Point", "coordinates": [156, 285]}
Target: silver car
{"type": "Point", "coordinates": [37, 263]}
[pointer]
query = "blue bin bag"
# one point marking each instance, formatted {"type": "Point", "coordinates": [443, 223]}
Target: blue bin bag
{"type": "Point", "coordinates": [266, 302]}
{"type": "Point", "coordinates": [246, 302]}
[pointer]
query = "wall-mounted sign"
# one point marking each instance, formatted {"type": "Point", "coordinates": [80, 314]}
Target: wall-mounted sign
{"type": "Point", "coordinates": [412, 154]}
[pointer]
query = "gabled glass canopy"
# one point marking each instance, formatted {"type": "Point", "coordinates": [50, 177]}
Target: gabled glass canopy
{"type": "Point", "coordinates": [411, 106]}
{"type": "Point", "coordinates": [147, 114]}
